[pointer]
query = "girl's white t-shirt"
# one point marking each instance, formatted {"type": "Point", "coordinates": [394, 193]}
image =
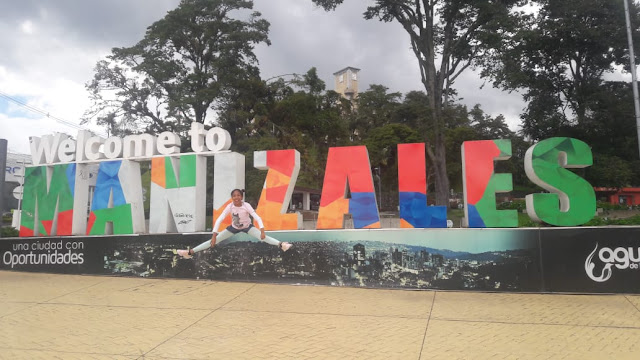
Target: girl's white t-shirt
{"type": "Point", "coordinates": [239, 216]}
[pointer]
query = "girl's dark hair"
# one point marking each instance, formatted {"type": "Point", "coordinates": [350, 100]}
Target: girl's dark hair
{"type": "Point", "coordinates": [240, 190]}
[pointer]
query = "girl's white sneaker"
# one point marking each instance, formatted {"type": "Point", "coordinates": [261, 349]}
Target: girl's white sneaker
{"type": "Point", "coordinates": [184, 253]}
{"type": "Point", "coordinates": [285, 246]}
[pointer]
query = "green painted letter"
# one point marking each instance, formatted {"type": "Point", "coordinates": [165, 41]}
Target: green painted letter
{"type": "Point", "coordinates": [571, 200]}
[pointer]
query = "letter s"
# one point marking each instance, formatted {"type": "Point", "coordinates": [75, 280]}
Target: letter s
{"type": "Point", "coordinates": [545, 165]}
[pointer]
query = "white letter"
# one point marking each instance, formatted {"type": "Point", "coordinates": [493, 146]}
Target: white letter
{"type": "Point", "coordinates": [218, 139]}
{"type": "Point", "coordinates": [113, 147]}
{"type": "Point", "coordinates": [92, 148]}
{"type": "Point", "coordinates": [67, 150]}
{"type": "Point", "coordinates": [82, 137]}
{"type": "Point", "coordinates": [45, 149]}
{"type": "Point", "coordinates": [168, 143]}
{"type": "Point", "coordinates": [609, 258]}
{"type": "Point", "coordinates": [624, 259]}
{"type": "Point", "coordinates": [143, 145]}
{"type": "Point", "coordinates": [197, 133]}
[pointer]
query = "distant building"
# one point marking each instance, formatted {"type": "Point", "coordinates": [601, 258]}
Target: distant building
{"type": "Point", "coordinates": [396, 257]}
{"type": "Point", "coordinates": [305, 199]}
{"type": "Point", "coordinates": [408, 259]}
{"type": "Point", "coordinates": [359, 254]}
{"type": "Point", "coordinates": [346, 82]}
{"type": "Point", "coordinates": [438, 260]}
{"type": "Point", "coordinates": [13, 178]}
{"type": "Point", "coordinates": [627, 196]}
{"type": "Point", "coordinates": [424, 255]}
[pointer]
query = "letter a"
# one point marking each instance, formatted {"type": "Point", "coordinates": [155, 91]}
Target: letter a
{"type": "Point", "coordinates": [348, 168]}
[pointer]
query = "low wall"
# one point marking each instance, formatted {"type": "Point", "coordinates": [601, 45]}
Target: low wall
{"type": "Point", "coordinates": [582, 260]}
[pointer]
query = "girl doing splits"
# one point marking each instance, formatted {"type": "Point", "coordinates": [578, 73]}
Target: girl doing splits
{"type": "Point", "coordinates": [240, 222]}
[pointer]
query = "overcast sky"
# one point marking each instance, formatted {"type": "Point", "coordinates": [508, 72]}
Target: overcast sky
{"type": "Point", "coordinates": [48, 50]}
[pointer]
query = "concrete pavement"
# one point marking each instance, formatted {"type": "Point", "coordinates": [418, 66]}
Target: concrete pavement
{"type": "Point", "coordinates": [47, 316]}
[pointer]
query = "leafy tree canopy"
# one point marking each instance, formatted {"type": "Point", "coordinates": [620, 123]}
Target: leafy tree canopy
{"type": "Point", "coordinates": [559, 59]}
{"type": "Point", "coordinates": [199, 56]}
{"type": "Point", "coordinates": [447, 37]}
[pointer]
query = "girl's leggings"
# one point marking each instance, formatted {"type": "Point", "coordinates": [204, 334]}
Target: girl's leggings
{"type": "Point", "coordinates": [226, 234]}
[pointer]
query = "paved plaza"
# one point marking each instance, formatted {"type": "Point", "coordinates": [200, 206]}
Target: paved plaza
{"type": "Point", "coordinates": [47, 316]}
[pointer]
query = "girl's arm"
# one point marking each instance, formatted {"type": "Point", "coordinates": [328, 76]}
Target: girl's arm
{"type": "Point", "coordinates": [221, 217]}
{"type": "Point", "coordinates": [256, 217]}
{"type": "Point", "coordinates": [253, 214]}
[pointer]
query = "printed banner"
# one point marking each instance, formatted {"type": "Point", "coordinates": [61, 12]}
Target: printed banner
{"type": "Point", "coordinates": [591, 260]}
{"type": "Point", "coordinates": [454, 259]}
{"type": "Point", "coordinates": [56, 255]}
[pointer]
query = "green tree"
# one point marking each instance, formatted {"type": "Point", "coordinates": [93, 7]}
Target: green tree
{"type": "Point", "coordinates": [610, 130]}
{"type": "Point", "coordinates": [609, 171]}
{"type": "Point", "coordinates": [199, 56]}
{"type": "Point", "coordinates": [414, 110]}
{"type": "Point", "coordinates": [296, 114]}
{"type": "Point", "coordinates": [375, 108]}
{"type": "Point", "coordinates": [475, 124]}
{"type": "Point", "coordinates": [559, 60]}
{"type": "Point", "coordinates": [610, 127]}
{"type": "Point", "coordinates": [488, 128]}
{"type": "Point", "coordinates": [447, 38]}
{"type": "Point", "coordinates": [382, 143]}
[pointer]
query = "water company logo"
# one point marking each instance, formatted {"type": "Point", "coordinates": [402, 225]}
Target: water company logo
{"type": "Point", "coordinates": [621, 258]}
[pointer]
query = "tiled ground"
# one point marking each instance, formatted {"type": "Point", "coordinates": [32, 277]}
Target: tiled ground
{"type": "Point", "coordinates": [45, 316]}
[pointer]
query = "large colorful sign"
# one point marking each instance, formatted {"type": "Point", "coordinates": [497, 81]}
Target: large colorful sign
{"type": "Point", "coordinates": [60, 199]}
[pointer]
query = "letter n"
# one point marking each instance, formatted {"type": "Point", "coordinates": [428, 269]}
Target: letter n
{"type": "Point", "coordinates": [178, 194]}
{"type": "Point", "coordinates": [228, 174]}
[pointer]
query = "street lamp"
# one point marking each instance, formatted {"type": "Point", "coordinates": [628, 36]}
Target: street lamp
{"type": "Point", "coordinates": [632, 61]}
{"type": "Point", "coordinates": [379, 176]}
{"type": "Point", "coordinates": [3, 165]}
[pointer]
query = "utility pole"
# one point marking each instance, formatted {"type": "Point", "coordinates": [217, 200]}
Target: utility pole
{"type": "Point", "coordinates": [379, 176]}
{"type": "Point", "coordinates": [632, 61]}
{"type": "Point", "coordinates": [3, 168]}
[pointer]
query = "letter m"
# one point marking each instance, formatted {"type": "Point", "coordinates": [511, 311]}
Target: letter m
{"type": "Point", "coordinates": [139, 146]}
{"type": "Point", "coordinates": [47, 203]}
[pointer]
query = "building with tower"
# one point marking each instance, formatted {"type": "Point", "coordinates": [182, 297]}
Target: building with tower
{"type": "Point", "coordinates": [346, 82]}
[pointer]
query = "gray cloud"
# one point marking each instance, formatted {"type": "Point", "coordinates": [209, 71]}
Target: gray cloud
{"type": "Point", "coordinates": [51, 46]}
{"type": "Point", "coordinates": [304, 35]}
{"type": "Point", "coordinates": [91, 22]}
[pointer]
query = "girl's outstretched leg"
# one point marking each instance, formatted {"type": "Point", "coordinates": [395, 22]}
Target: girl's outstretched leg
{"type": "Point", "coordinates": [269, 240]}
{"type": "Point", "coordinates": [188, 254]}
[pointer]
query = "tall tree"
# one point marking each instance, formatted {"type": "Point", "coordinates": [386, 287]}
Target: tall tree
{"type": "Point", "coordinates": [610, 127]}
{"type": "Point", "coordinates": [382, 144]}
{"type": "Point", "coordinates": [447, 37]}
{"type": "Point", "coordinates": [489, 128]}
{"type": "Point", "coordinates": [375, 108]}
{"type": "Point", "coordinates": [295, 114]}
{"type": "Point", "coordinates": [198, 56]}
{"type": "Point", "coordinates": [414, 110]}
{"type": "Point", "coordinates": [610, 130]}
{"type": "Point", "coordinates": [559, 60]}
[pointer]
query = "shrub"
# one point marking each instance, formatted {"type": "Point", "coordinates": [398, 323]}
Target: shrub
{"type": "Point", "coordinates": [519, 205]}
{"type": "Point", "coordinates": [8, 231]}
